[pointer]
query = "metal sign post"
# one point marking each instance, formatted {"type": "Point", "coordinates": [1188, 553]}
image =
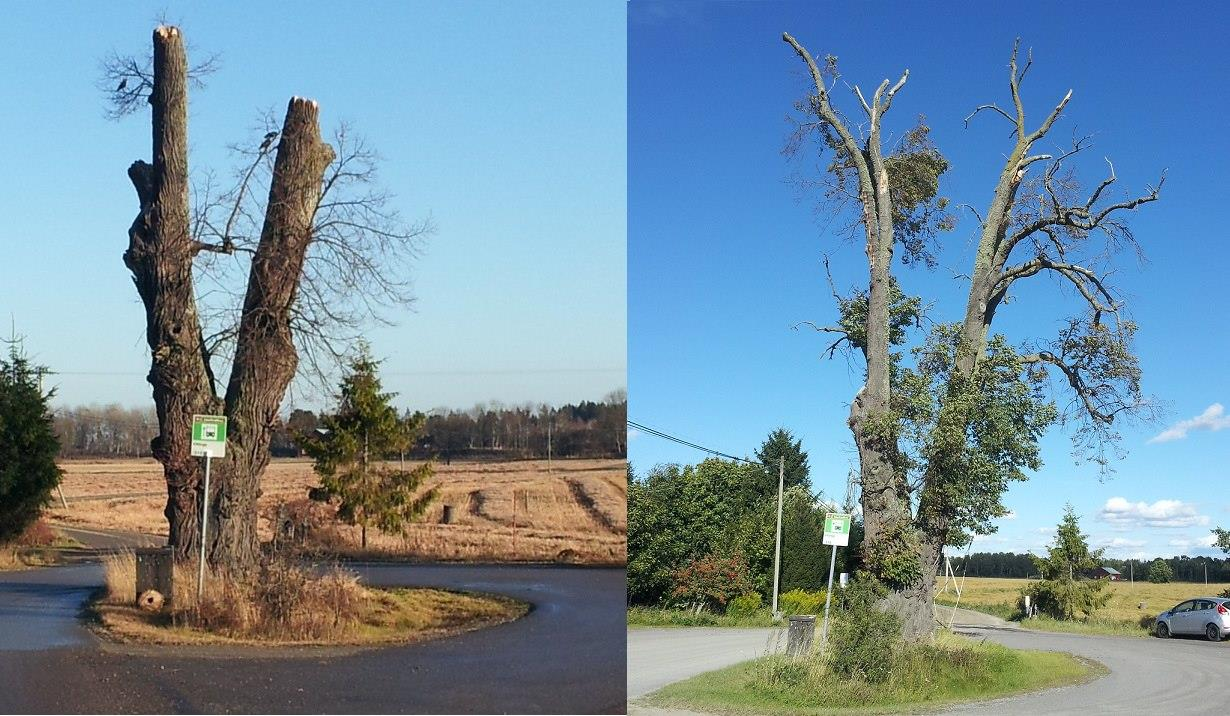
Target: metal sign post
{"type": "Point", "coordinates": [836, 534]}
{"type": "Point", "coordinates": [777, 551]}
{"type": "Point", "coordinates": [208, 441]}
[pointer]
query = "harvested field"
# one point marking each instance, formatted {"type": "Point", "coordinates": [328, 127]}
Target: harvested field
{"type": "Point", "coordinates": [501, 511]}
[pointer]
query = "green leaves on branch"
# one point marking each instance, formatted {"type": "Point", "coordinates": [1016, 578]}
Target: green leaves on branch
{"type": "Point", "coordinates": [968, 435]}
{"type": "Point", "coordinates": [1093, 363]}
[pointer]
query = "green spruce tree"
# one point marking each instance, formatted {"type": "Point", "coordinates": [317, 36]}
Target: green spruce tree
{"type": "Point", "coordinates": [779, 444]}
{"type": "Point", "coordinates": [28, 446]}
{"type": "Point", "coordinates": [349, 451]}
{"type": "Point", "coordinates": [1065, 592]}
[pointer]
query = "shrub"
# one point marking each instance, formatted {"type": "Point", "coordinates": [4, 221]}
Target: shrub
{"type": "Point", "coordinates": [801, 601]}
{"type": "Point", "coordinates": [744, 605]}
{"type": "Point", "coordinates": [713, 580]}
{"type": "Point", "coordinates": [1068, 599]}
{"type": "Point", "coordinates": [1160, 571]}
{"type": "Point", "coordinates": [863, 639]}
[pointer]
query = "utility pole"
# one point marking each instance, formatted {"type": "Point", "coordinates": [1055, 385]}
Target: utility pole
{"type": "Point", "coordinates": [777, 552]}
{"type": "Point", "coordinates": [550, 422]}
{"type": "Point", "coordinates": [1131, 571]}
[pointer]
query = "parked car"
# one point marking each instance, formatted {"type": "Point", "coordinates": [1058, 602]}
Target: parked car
{"type": "Point", "coordinates": [1203, 615]}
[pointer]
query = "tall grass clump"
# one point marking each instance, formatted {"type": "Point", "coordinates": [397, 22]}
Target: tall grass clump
{"type": "Point", "coordinates": [281, 599]}
{"type": "Point", "coordinates": [120, 576]}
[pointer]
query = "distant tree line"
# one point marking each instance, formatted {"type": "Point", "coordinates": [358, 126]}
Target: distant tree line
{"type": "Point", "coordinates": [585, 429]}
{"type": "Point", "coordinates": [105, 431]}
{"type": "Point", "coordinates": [1020, 566]}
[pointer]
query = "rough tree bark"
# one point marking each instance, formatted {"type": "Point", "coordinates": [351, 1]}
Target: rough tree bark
{"type": "Point", "coordinates": [885, 493]}
{"type": "Point", "coordinates": [902, 545]}
{"type": "Point", "coordinates": [990, 280]}
{"type": "Point", "coordinates": [160, 255]}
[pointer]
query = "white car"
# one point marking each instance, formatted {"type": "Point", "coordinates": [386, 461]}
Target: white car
{"type": "Point", "coordinates": [1203, 615]}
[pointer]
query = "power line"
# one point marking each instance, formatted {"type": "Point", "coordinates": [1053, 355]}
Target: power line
{"type": "Point", "coordinates": [681, 441]}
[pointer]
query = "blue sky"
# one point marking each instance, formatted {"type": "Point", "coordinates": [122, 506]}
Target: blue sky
{"type": "Point", "coordinates": [725, 252]}
{"type": "Point", "coordinates": [503, 122]}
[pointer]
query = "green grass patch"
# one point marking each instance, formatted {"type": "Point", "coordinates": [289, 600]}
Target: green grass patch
{"type": "Point", "coordinates": [951, 670]}
{"type": "Point", "coordinates": [1104, 627]}
{"type": "Point", "coordinates": [1004, 610]}
{"type": "Point", "coordinates": [1101, 626]}
{"type": "Point", "coordinates": [651, 617]}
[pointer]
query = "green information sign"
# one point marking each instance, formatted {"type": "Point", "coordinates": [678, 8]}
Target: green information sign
{"type": "Point", "coordinates": [837, 529]}
{"type": "Point", "coordinates": [209, 435]}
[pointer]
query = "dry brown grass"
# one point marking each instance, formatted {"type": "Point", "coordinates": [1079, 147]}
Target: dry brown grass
{"type": "Point", "coordinates": [36, 547]}
{"type": "Point", "coordinates": [120, 576]}
{"type": "Point", "coordinates": [502, 511]}
{"type": "Point", "coordinates": [284, 604]}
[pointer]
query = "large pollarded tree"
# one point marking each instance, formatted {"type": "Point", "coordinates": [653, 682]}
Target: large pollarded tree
{"type": "Point", "coordinates": [940, 441]}
{"type": "Point", "coordinates": [302, 245]}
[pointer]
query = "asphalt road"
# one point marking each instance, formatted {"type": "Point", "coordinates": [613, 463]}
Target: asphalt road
{"type": "Point", "coordinates": [657, 657]}
{"type": "Point", "coordinates": [1147, 676]}
{"type": "Point", "coordinates": [565, 656]}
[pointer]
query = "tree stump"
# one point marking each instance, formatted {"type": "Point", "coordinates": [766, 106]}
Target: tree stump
{"type": "Point", "coordinates": [447, 517]}
{"type": "Point", "coordinates": [155, 571]}
{"type": "Point", "coordinates": [799, 636]}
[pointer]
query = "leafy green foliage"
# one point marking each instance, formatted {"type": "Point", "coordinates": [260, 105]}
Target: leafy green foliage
{"type": "Point", "coordinates": [801, 601]}
{"type": "Point", "coordinates": [914, 168]}
{"type": "Point", "coordinates": [864, 638]}
{"type": "Point", "coordinates": [1160, 571]}
{"type": "Point", "coordinates": [973, 434]}
{"type": "Point", "coordinates": [919, 212]}
{"type": "Point", "coordinates": [678, 514]}
{"type": "Point", "coordinates": [744, 604]}
{"type": "Point", "coordinates": [1063, 593]}
{"type": "Point", "coordinates": [28, 447]}
{"type": "Point", "coordinates": [1223, 539]}
{"type": "Point", "coordinates": [1102, 381]}
{"type": "Point", "coordinates": [713, 580]}
{"type": "Point", "coordinates": [904, 312]}
{"type": "Point", "coordinates": [348, 454]}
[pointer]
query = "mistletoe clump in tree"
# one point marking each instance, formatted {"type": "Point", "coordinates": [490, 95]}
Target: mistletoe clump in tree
{"type": "Point", "coordinates": [28, 446]}
{"type": "Point", "coordinates": [940, 441]}
{"type": "Point", "coordinates": [350, 448]}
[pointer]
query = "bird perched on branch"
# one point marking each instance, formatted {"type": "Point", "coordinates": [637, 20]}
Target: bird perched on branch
{"type": "Point", "coordinates": [123, 84]}
{"type": "Point", "coordinates": [268, 140]}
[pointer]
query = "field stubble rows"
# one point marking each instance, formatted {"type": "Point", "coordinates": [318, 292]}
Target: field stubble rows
{"type": "Point", "coordinates": [575, 511]}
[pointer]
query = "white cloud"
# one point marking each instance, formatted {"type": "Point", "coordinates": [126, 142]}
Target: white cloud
{"type": "Point", "coordinates": [633, 434]}
{"type": "Point", "coordinates": [1213, 419]}
{"type": "Point", "coordinates": [1118, 543]}
{"type": "Point", "coordinates": [1205, 541]}
{"type": "Point", "coordinates": [1163, 513]}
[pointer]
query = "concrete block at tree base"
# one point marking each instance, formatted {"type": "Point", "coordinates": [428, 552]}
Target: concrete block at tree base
{"type": "Point", "coordinates": [155, 570]}
{"type": "Point", "coordinates": [800, 635]}
{"type": "Point", "coordinates": [447, 517]}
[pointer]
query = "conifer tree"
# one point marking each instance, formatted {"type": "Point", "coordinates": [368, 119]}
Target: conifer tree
{"type": "Point", "coordinates": [1064, 593]}
{"type": "Point", "coordinates": [349, 451]}
{"type": "Point", "coordinates": [28, 446]}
